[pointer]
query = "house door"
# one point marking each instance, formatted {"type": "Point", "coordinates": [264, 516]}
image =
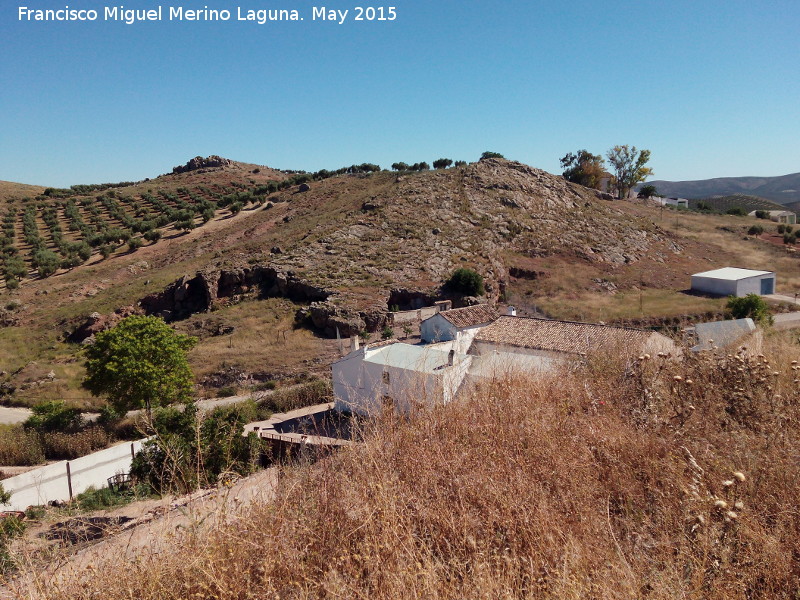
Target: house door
{"type": "Point", "coordinates": [767, 286]}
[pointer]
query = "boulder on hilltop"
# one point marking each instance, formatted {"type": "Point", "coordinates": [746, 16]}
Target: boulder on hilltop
{"type": "Point", "coordinates": [198, 162]}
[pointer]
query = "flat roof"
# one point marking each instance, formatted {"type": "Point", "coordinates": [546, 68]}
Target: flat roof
{"type": "Point", "coordinates": [732, 273]}
{"type": "Point", "coordinates": [412, 358]}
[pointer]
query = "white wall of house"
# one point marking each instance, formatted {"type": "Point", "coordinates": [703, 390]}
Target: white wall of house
{"type": "Point", "coordinates": [362, 384]}
{"type": "Point", "coordinates": [438, 329]}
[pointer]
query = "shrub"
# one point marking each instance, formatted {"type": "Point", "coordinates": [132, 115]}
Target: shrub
{"type": "Point", "coordinates": [762, 214]}
{"type": "Point", "coordinates": [190, 451]}
{"type": "Point", "coordinates": [466, 282]}
{"type": "Point", "coordinates": [227, 391]}
{"type": "Point", "coordinates": [781, 228]}
{"type": "Point", "coordinates": [153, 235]}
{"type": "Point", "coordinates": [134, 244]}
{"type": "Point", "coordinates": [752, 306]}
{"type": "Point", "coordinates": [755, 230]}
{"type": "Point", "coordinates": [20, 447]}
{"type": "Point", "coordinates": [737, 211]}
{"type": "Point", "coordinates": [489, 154]}
{"type": "Point", "coordinates": [54, 415]}
{"type": "Point", "coordinates": [285, 399]}
{"type": "Point", "coordinates": [387, 333]}
{"type": "Point", "coordinates": [68, 446]}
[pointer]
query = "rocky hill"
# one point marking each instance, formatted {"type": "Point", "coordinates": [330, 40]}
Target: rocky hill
{"type": "Point", "coordinates": [285, 259]}
{"type": "Point", "coordinates": [356, 245]}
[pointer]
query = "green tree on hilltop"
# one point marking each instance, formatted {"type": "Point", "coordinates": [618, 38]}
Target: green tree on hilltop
{"type": "Point", "coordinates": [140, 363]}
{"type": "Point", "coordinates": [629, 167]}
{"type": "Point", "coordinates": [584, 168]}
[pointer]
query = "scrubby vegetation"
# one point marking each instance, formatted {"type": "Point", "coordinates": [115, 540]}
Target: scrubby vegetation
{"type": "Point", "coordinates": [658, 478]}
{"type": "Point", "coordinates": [190, 450]}
{"type": "Point", "coordinates": [466, 282]}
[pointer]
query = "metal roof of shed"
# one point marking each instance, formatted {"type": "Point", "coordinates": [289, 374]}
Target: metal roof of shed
{"type": "Point", "coordinates": [732, 273]}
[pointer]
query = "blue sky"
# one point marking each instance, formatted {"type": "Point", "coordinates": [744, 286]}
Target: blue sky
{"type": "Point", "coordinates": [712, 88]}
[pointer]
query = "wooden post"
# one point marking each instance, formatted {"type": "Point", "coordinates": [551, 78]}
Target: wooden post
{"type": "Point", "coordinates": [69, 481]}
{"type": "Point", "coordinates": [133, 453]}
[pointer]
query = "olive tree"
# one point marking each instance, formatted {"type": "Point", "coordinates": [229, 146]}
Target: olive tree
{"type": "Point", "coordinates": [140, 363]}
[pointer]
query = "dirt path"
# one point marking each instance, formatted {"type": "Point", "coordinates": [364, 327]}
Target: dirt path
{"type": "Point", "coordinates": [13, 415]}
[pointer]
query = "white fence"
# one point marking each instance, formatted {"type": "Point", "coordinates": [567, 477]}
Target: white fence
{"type": "Point", "coordinates": [67, 478]}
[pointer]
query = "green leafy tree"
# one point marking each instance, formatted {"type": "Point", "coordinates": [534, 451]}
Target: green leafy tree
{"type": "Point", "coordinates": [584, 168]}
{"type": "Point", "coordinates": [47, 262]}
{"type": "Point", "coordinates": [648, 191]}
{"type": "Point", "coordinates": [752, 306]}
{"type": "Point", "coordinates": [400, 166]}
{"type": "Point", "coordinates": [442, 163]}
{"type": "Point", "coordinates": [466, 281]}
{"type": "Point", "coordinates": [489, 154]}
{"type": "Point", "coordinates": [140, 363]}
{"type": "Point", "coordinates": [629, 167]}
{"type": "Point", "coordinates": [15, 268]}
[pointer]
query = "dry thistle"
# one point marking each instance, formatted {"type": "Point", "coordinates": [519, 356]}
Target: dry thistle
{"type": "Point", "coordinates": [721, 504]}
{"type": "Point", "coordinates": [739, 476]}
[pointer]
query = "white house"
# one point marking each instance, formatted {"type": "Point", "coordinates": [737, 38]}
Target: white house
{"type": "Point", "coordinates": [677, 202]}
{"type": "Point", "coordinates": [394, 374]}
{"type": "Point", "coordinates": [458, 325]}
{"type": "Point", "coordinates": [558, 341]}
{"type": "Point", "coordinates": [779, 216]}
{"type": "Point", "coordinates": [731, 281]}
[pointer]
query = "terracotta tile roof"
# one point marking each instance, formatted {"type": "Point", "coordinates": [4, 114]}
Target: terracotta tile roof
{"type": "Point", "coordinates": [471, 315]}
{"type": "Point", "coordinates": [560, 336]}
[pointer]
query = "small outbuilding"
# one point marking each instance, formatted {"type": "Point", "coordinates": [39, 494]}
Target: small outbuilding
{"type": "Point", "coordinates": [459, 325]}
{"type": "Point", "coordinates": [731, 281]}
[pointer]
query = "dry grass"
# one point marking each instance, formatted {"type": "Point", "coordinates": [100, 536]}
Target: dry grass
{"type": "Point", "coordinates": [606, 484]}
{"type": "Point", "coordinates": [265, 339]}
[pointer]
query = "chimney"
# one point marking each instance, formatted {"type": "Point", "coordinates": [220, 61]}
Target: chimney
{"type": "Point", "coordinates": [451, 358]}
{"type": "Point", "coordinates": [354, 345]}
{"type": "Point", "coordinates": [511, 311]}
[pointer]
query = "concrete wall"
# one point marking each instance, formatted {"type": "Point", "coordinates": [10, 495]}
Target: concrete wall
{"type": "Point", "coordinates": [51, 482]}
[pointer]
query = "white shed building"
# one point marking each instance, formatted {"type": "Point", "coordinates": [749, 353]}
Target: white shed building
{"type": "Point", "coordinates": [458, 325]}
{"type": "Point", "coordinates": [731, 281]}
{"type": "Point", "coordinates": [401, 375]}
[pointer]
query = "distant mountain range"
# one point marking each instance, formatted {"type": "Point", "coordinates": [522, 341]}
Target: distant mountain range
{"type": "Point", "coordinates": [784, 189]}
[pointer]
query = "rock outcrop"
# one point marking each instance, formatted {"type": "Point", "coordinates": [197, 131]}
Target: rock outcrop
{"type": "Point", "coordinates": [198, 162]}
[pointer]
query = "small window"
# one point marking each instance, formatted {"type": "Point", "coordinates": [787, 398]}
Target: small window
{"type": "Point", "coordinates": [386, 377]}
